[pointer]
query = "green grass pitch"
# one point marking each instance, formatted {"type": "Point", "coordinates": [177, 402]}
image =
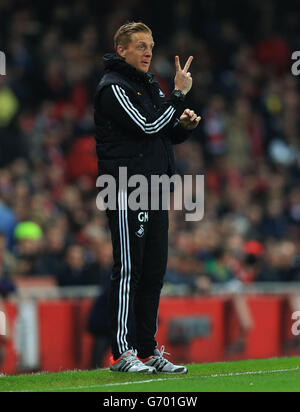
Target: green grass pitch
{"type": "Point", "coordinates": [273, 375]}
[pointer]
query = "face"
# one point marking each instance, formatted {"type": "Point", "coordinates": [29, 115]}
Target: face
{"type": "Point", "coordinates": [75, 257]}
{"type": "Point", "coordinates": [139, 51]}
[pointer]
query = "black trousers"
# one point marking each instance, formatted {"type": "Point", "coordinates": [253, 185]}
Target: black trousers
{"type": "Point", "coordinates": [140, 252]}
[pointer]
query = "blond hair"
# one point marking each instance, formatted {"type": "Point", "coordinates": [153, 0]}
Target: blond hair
{"type": "Point", "coordinates": [124, 33]}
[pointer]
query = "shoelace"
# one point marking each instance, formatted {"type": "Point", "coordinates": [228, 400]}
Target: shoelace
{"type": "Point", "coordinates": [163, 361]}
{"type": "Point", "coordinates": [162, 351]}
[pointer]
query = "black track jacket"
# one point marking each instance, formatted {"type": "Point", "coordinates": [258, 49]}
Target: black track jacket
{"type": "Point", "coordinates": [135, 124]}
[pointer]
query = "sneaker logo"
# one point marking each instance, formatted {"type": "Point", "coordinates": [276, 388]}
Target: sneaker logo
{"type": "Point", "coordinates": [141, 231]}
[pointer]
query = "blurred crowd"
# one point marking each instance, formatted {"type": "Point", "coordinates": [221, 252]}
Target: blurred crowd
{"type": "Point", "coordinates": [247, 146]}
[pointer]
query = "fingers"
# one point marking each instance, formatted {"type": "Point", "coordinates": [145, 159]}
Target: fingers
{"type": "Point", "coordinates": [189, 120]}
{"type": "Point", "coordinates": [183, 79]}
{"type": "Point", "coordinates": [186, 67]}
{"type": "Point", "coordinates": [191, 116]}
{"type": "Point", "coordinates": [189, 112]}
{"type": "Point", "coordinates": [187, 64]}
{"type": "Point", "coordinates": [177, 64]}
{"type": "Point", "coordinates": [183, 117]}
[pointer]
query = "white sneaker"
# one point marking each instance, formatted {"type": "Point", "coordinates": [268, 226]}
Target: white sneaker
{"type": "Point", "coordinates": [162, 364]}
{"type": "Point", "coordinates": [128, 362]}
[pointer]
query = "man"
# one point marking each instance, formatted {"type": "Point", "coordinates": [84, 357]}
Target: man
{"type": "Point", "coordinates": [7, 287]}
{"type": "Point", "coordinates": [135, 128]}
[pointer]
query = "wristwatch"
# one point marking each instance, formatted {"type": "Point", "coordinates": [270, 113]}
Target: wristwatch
{"type": "Point", "coordinates": [179, 95]}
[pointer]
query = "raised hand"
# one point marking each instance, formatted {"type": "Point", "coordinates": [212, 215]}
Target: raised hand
{"type": "Point", "coordinates": [189, 120]}
{"type": "Point", "coordinates": [183, 79]}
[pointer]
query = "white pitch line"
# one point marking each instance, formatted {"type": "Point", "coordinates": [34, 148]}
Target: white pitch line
{"type": "Point", "coordinates": [100, 385]}
{"type": "Point", "coordinates": [227, 375]}
{"type": "Point", "coordinates": [223, 375]}
{"type": "Point", "coordinates": [116, 384]}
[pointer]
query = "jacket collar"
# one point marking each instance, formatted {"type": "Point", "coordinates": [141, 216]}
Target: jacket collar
{"type": "Point", "coordinates": [113, 62]}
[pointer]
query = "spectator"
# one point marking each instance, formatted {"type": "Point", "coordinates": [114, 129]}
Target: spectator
{"type": "Point", "coordinates": [98, 326]}
{"type": "Point", "coordinates": [99, 273]}
{"type": "Point", "coordinates": [73, 272]}
{"type": "Point", "coordinates": [51, 261]}
{"type": "Point", "coordinates": [8, 222]}
{"type": "Point", "coordinates": [221, 270]}
{"type": "Point", "coordinates": [7, 287]}
{"type": "Point", "coordinates": [28, 236]}
{"type": "Point", "coordinates": [9, 262]}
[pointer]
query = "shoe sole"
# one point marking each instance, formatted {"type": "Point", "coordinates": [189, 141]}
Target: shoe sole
{"type": "Point", "coordinates": [145, 371]}
{"type": "Point", "coordinates": [173, 373]}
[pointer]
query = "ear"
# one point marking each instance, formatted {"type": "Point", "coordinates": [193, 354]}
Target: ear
{"type": "Point", "coordinates": [121, 51]}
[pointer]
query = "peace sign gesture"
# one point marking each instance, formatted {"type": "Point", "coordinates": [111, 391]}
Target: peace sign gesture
{"type": "Point", "coordinates": [187, 64]}
{"type": "Point", "coordinates": [183, 79]}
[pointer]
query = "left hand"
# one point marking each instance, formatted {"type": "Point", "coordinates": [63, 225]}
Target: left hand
{"type": "Point", "coordinates": [189, 120]}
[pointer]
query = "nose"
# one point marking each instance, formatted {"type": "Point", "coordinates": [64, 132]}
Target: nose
{"type": "Point", "coordinates": [148, 53]}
